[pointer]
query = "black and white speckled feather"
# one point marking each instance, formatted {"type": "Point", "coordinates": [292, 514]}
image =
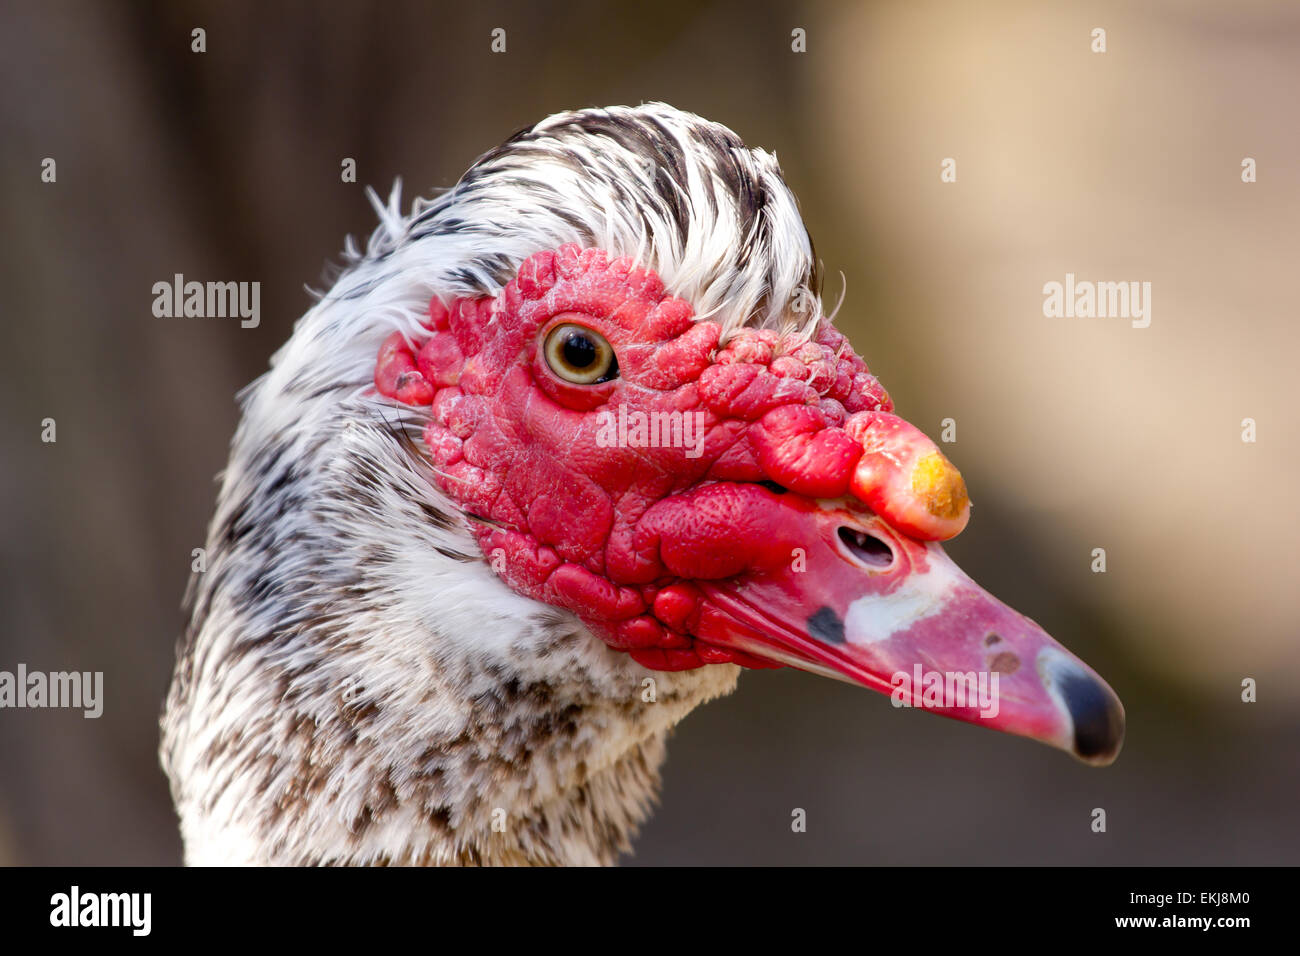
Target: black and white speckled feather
{"type": "Point", "coordinates": [356, 685]}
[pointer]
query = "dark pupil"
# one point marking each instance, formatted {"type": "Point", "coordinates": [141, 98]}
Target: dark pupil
{"type": "Point", "coordinates": [579, 351]}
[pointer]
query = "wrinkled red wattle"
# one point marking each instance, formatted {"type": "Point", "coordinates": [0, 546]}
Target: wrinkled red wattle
{"type": "Point", "coordinates": [617, 534]}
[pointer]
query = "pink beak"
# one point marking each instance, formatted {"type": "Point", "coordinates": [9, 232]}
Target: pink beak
{"type": "Point", "coordinates": [864, 603]}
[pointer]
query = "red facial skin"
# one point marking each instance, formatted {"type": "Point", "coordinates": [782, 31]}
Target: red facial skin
{"type": "Point", "coordinates": [624, 536]}
{"type": "Point", "coordinates": [798, 529]}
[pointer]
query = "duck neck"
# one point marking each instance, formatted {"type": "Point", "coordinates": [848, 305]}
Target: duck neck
{"type": "Point", "coordinates": [357, 686]}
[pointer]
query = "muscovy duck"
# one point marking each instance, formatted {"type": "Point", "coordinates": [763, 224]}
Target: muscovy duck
{"type": "Point", "coordinates": [559, 454]}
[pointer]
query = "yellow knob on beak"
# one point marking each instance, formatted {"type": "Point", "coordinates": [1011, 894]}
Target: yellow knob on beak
{"type": "Point", "coordinates": [905, 479]}
{"type": "Point", "coordinates": [937, 481]}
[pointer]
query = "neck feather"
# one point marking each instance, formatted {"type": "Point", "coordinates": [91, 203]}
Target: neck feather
{"type": "Point", "coordinates": [356, 686]}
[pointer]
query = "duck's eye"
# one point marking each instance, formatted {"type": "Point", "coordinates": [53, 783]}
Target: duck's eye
{"type": "Point", "coordinates": [580, 355]}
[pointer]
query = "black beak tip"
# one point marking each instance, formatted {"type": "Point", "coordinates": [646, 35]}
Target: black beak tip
{"type": "Point", "coordinates": [1096, 715]}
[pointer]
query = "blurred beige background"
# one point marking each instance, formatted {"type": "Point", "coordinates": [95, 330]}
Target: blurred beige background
{"type": "Point", "coordinates": [1072, 433]}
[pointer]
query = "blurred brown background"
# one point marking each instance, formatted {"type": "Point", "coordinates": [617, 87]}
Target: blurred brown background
{"type": "Point", "coordinates": [1072, 433]}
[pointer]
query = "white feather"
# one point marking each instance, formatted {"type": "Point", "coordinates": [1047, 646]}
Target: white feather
{"type": "Point", "coordinates": [337, 699]}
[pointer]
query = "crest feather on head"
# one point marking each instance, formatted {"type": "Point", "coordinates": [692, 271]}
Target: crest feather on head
{"type": "Point", "coordinates": [670, 190]}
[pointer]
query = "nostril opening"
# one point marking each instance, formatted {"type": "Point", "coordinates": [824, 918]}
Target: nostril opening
{"type": "Point", "coordinates": [867, 548]}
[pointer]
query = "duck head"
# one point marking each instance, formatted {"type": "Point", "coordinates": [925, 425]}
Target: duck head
{"type": "Point", "coordinates": [701, 491]}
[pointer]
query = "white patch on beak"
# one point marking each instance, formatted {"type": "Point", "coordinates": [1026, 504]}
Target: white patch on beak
{"type": "Point", "coordinates": [872, 618]}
